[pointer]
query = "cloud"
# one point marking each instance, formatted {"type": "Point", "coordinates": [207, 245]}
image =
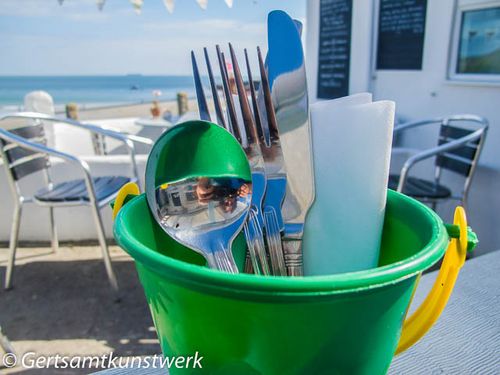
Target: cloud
{"type": "Point", "coordinates": [39, 8]}
{"type": "Point", "coordinates": [165, 53]}
{"type": "Point", "coordinates": [205, 25]}
{"type": "Point", "coordinates": [80, 10]}
{"type": "Point", "coordinates": [78, 39]}
{"type": "Point", "coordinates": [213, 30]}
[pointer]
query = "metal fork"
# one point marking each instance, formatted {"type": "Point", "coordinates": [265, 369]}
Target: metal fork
{"type": "Point", "coordinates": [233, 121]}
{"type": "Point", "coordinates": [251, 146]}
{"type": "Point", "coordinates": [253, 227]}
{"type": "Point", "coordinates": [273, 162]}
{"type": "Point", "coordinates": [271, 155]}
{"type": "Point", "coordinates": [274, 166]}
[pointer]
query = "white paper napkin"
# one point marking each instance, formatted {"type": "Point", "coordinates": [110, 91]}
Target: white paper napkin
{"type": "Point", "coordinates": [351, 140]}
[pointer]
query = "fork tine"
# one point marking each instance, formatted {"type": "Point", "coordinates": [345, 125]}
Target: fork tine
{"type": "Point", "coordinates": [256, 111]}
{"type": "Point", "coordinates": [248, 120]}
{"type": "Point", "coordinates": [215, 93]}
{"type": "Point", "coordinates": [271, 115]}
{"type": "Point", "coordinates": [226, 74]}
{"type": "Point", "coordinates": [200, 94]}
{"type": "Point", "coordinates": [236, 127]}
{"type": "Point", "coordinates": [233, 120]}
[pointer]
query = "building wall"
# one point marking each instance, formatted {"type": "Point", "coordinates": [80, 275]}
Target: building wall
{"type": "Point", "coordinates": [361, 52]}
{"type": "Point", "coordinates": [427, 93]}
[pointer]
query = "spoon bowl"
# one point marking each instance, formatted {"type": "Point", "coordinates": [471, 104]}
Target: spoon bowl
{"type": "Point", "coordinates": [199, 189]}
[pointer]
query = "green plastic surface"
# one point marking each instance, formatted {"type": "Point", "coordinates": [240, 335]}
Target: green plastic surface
{"type": "Point", "coordinates": [454, 232]}
{"type": "Point", "coordinates": [199, 148]}
{"type": "Point", "coordinates": [245, 324]}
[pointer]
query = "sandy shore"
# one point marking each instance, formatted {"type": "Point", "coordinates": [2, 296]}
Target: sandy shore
{"type": "Point", "coordinates": [116, 111]}
{"type": "Point", "coordinates": [130, 110]}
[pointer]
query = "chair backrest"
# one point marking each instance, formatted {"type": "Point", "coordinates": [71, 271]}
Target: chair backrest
{"type": "Point", "coordinates": [462, 159]}
{"type": "Point", "coordinates": [19, 161]}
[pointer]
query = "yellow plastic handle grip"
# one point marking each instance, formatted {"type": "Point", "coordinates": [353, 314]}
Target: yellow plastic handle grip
{"type": "Point", "coordinates": [427, 314]}
{"type": "Point", "coordinates": [129, 188]}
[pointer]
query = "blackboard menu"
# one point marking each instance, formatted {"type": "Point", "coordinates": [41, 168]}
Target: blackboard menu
{"type": "Point", "coordinates": [401, 31]}
{"type": "Point", "coordinates": [334, 48]}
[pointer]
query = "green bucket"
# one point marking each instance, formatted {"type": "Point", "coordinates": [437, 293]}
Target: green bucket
{"type": "Point", "coordinates": [244, 324]}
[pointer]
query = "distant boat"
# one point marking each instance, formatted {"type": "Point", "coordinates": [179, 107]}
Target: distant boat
{"type": "Point", "coordinates": [134, 87]}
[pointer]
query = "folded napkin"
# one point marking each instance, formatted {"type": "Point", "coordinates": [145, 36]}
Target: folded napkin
{"type": "Point", "coordinates": [351, 140]}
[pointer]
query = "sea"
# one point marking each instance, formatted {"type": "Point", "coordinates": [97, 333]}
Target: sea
{"type": "Point", "coordinates": [94, 91]}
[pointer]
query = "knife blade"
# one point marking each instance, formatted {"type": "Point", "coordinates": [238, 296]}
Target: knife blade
{"type": "Point", "coordinates": [287, 75]}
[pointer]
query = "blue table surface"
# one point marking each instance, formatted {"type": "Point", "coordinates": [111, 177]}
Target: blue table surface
{"type": "Point", "coordinates": [466, 338]}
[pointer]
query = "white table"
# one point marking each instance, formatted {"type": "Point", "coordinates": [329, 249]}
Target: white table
{"type": "Point", "coordinates": [153, 122]}
{"type": "Point", "coordinates": [466, 338]}
{"type": "Point", "coordinates": [145, 127]}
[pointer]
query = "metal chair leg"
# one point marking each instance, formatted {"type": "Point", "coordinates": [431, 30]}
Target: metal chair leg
{"type": "Point", "coordinates": [53, 231]}
{"type": "Point", "coordinates": [434, 206]}
{"type": "Point", "coordinates": [104, 247]}
{"type": "Point", "coordinates": [5, 343]}
{"type": "Point", "coordinates": [14, 236]}
{"type": "Point", "coordinates": [463, 201]}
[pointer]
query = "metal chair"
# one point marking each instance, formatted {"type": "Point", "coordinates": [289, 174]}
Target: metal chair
{"type": "Point", "coordinates": [5, 343]}
{"type": "Point", "coordinates": [24, 151]}
{"type": "Point", "coordinates": [458, 151]}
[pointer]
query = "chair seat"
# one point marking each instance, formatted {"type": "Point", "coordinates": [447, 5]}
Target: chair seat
{"type": "Point", "coordinates": [419, 188]}
{"type": "Point", "coordinates": [76, 190]}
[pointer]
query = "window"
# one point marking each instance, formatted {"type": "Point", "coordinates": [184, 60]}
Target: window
{"type": "Point", "coordinates": [476, 44]}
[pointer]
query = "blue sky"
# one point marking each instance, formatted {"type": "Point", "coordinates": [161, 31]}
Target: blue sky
{"type": "Point", "coordinates": [39, 37]}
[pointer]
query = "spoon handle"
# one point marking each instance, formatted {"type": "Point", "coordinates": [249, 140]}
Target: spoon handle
{"type": "Point", "coordinates": [255, 241]}
{"type": "Point", "coordinates": [252, 261]}
{"type": "Point", "coordinates": [222, 260]}
{"type": "Point", "coordinates": [273, 237]}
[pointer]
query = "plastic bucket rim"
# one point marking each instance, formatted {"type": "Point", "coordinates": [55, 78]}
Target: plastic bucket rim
{"type": "Point", "coordinates": [328, 284]}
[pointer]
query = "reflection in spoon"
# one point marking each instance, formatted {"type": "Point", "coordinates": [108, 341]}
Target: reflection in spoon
{"type": "Point", "coordinates": [194, 209]}
{"type": "Point", "coordinates": [200, 203]}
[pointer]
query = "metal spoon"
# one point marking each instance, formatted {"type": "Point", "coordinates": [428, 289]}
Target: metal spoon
{"type": "Point", "coordinates": [198, 187]}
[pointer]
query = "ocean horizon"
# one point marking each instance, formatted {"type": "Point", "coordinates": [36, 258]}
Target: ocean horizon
{"type": "Point", "coordinates": [93, 90]}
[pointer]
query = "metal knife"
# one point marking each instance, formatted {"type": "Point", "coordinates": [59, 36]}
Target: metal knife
{"type": "Point", "coordinates": [287, 76]}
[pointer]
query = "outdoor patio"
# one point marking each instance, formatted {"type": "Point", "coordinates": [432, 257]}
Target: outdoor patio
{"type": "Point", "coordinates": [62, 304]}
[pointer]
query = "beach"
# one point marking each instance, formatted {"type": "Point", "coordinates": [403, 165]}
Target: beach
{"type": "Point", "coordinates": [129, 110]}
{"type": "Point", "coordinates": [100, 97]}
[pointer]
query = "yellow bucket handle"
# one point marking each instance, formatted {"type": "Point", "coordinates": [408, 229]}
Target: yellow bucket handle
{"type": "Point", "coordinates": [427, 314]}
{"type": "Point", "coordinates": [129, 188]}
